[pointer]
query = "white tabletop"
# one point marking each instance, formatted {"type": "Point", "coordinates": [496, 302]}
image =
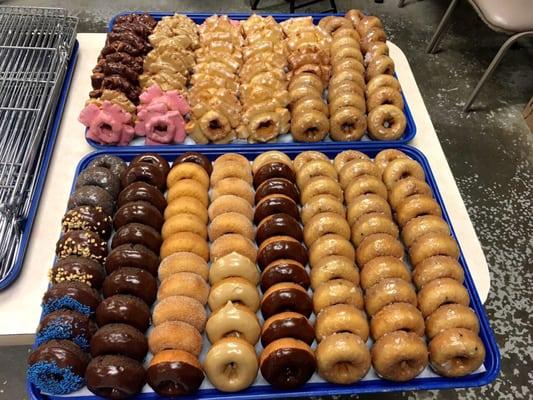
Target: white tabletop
{"type": "Point", "coordinates": [20, 303]}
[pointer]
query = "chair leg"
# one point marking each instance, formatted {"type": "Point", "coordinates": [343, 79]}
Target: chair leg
{"type": "Point", "coordinates": [493, 65]}
{"type": "Point", "coordinates": [292, 6]}
{"type": "Point", "coordinates": [441, 29]}
{"type": "Point", "coordinates": [254, 4]}
{"type": "Point", "coordinates": [333, 6]}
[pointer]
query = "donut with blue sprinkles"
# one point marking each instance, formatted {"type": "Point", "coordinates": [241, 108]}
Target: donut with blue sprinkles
{"type": "Point", "coordinates": [76, 296]}
{"type": "Point", "coordinates": [66, 324]}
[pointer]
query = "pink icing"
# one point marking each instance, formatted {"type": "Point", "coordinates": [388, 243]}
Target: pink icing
{"type": "Point", "coordinates": [109, 124]}
{"type": "Point", "coordinates": [160, 116]}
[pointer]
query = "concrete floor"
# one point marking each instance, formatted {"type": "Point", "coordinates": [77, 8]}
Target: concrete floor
{"type": "Point", "coordinates": [489, 150]}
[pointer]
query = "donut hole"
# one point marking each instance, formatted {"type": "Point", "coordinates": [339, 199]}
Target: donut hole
{"type": "Point", "coordinates": [388, 122]}
{"type": "Point", "coordinates": [344, 368]}
{"type": "Point", "coordinates": [265, 128]}
{"type": "Point", "coordinates": [160, 128]}
{"type": "Point", "coordinates": [348, 126]}
{"type": "Point", "coordinates": [231, 370]}
{"type": "Point", "coordinates": [312, 131]}
{"type": "Point", "coordinates": [106, 128]}
{"type": "Point", "coordinates": [215, 124]}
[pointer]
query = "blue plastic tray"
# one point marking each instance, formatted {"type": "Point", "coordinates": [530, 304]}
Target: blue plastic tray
{"type": "Point", "coordinates": [410, 130]}
{"type": "Point", "coordinates": [492, 360]}
{"type": "Point", "coordinates": [27, 225]}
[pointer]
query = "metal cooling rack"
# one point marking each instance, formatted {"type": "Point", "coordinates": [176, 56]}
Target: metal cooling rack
{"type": "Point", "coordinates": [35, 46]}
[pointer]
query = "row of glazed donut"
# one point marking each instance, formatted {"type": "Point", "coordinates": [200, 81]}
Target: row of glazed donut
{"type": "Point", "coordinates": [452, 328]}
{"type": "Point", "coordinates": [179, 316]}
{"type": "Point", "coordinates": [341, 324]}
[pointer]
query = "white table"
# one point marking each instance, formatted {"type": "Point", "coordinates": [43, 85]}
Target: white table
{"type": "Point", "coordinates": [20, 303]}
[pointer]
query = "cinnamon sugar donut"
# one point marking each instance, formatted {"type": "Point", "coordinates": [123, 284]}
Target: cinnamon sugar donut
{"type": "Point", "coordinates": [439, 292]}
{"type": "Point", "coordinates": [334, 267]}
{"type": "Point", "coordinates": [386, 122]}
{"type": "Point", "coordinates": [377, 245]}
{"type": "Point", "coordinates": [405, 188]}
{"type": "Point", "coordinates": [433, 244]}
{"type": "Point", "coordinates": [337, 291]}
{"type": "Point", "coordinates": [371, 223]}
{"type": "Point", "coordinates": [382, 268]}
{"type": "Point", "coordinates": [233, 158]}
{"type": "Point", "coordinates": [341, 318]}
{"type": "Point", "coordinates": [396, 317]}
{"type": "Point", "coordinates": [366, 204]}
{"type": "Point", "coordinates": [234, 186]}
{"type": "Point", "coordinates": [388, 291]}
{"type": "Point", "coordinates": [416, 206]}
{"type": "Point", "coordinates": [419, 226]}
{"type": "Point", "coordinates": [175, 335]}
{"type": "Point", "coordinates": [437, 267]}
{"type": "Point", "coordinates": [355, 169]}
{"type": "Point", "coordinates": [323, 224]}
{"type": "Point", "coordinates": [231, 222]}
{"type": "Point", "coordinates": [346, 156]}
{"type": "Point", "coordinates": [364, 185]}
{"type": "Point", "coordinates": [330, 245]}
{"type": "Point", "coordinates": [180, 308]}
{"type": "Point", "coordinates": [321, 204]}
{"type": "Point", "coordinates": [183, 262]}
{"type": "Point", "coordinates": [401, 168]}
{"type": "Point", "coordinates": [230, 169]}
{"type": "Point", "coordinates": [451, 316]}
{"type": "Point", "coordinates": [233, 242]}
{"type": "Point", "coordinates": [230, 203]}
{"type": "Point", "coordinates": [184, 284]}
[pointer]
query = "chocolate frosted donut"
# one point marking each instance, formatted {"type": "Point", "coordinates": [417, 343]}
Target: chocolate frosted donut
{"type": "Point", "coordinates": [132, 255]}
{"type": "Point", "coordinates": [135, 281]}
{"type": "Point", "coordinates": [144, 172]}
{"type": "Point", "coordinates": [154, 159]}
{"type": "Point", "coordinates": [88, 218]}
{"type": "Point", "coordinates": [278, 224]}
{"type": "Point", "coordinates": [286, 297]}
{"type": "Point", "coordinates": [277, 186]}
{"type": "Point", "coordinates": [76, 296]}
{"type": "Point", "coordinates": [101, 177]}
{"type": "Point", "coordinates": [122, 308]}
{"type": "Point", "coordinates": [115, 377]}
{"type": "Point", "coordinates": [93, 196]}
{"type": "Point", "coordinates": [74, 268]}
{"type": "Point", "coordinates": [197, 158]}
{"type": "Point", "coordinates": [135, 233]}
{"type": "Point", "coordinates": [119, 339]}
{"type": "Point", "coordinates": [115, 164]}
{"type": "Point", "coordinates": [287, 325]}
{"type": "Point", "coordinates": [280, 247]}
{"type": "Point", "coordinates": [81, 243]}
{"type": "Point", "coordinates": [140, 212]}
{"type": "Point", "coordinates": [274, 204]}
{"type": "Point", "coordinates": [273, 170]}
{"type": "Point", "coordinates": [284, 271]}
{"type": "Point", "coordinates": [142, 191]}
{"type": "Point", "coordinates": [66, 324]}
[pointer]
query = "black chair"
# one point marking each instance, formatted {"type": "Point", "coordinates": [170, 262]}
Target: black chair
{"type": "Point", "coordinates": [293, 6]}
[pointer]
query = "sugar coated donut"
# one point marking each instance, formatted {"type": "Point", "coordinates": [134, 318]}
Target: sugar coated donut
{"type": "Point", "coordinates": [234, 158]}
{"type": "Point", "coordinates": [230, 169]}
{"type": "Point", "coordinates": [234, 186]}
{"type": "Point", "coordinates": [396, 317]}
{"type": "Point", "coordinates": [189, 188]}
{"type": "Point", "coordinates": [180, 308]}
{"type": "Point", "coordinates": [183, 262]}
{"type": "Point", "coordinates": [175, 335]}
{"type": "Point", "coordinates": [235, 320]}
{"type": "Point", "coordinates": [441, 291]}
{"type": "Point", "coordinates": [184, 284]}
{"type": "Point", "coordinates": [341, 318]}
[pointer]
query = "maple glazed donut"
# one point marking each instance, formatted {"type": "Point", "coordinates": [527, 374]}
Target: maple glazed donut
{"type": "Point", "coordinates": [236, 290]}
{"type": "Point", "coordinates": [235, 320]}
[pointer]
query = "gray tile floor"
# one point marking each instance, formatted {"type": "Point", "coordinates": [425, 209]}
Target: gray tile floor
{"type": "Point", "coordinates": [490, 152]}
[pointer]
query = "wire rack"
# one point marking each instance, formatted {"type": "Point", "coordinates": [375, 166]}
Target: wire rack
{"type": "Point", "coordinates": [35, 46]}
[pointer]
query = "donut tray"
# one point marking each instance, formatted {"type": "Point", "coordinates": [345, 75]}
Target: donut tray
{"type": "Point", "coordinates": [316, 386]}
{"type": "Point", "coordinates": [283, 140]}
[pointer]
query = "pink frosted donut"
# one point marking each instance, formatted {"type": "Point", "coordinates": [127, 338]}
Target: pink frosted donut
{"type": "Point", "coordinates": [110, 124]}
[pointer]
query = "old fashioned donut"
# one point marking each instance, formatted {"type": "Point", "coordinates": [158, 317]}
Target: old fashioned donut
{"type": "Point", "coordinates": [286, 296]}
{"type": "Point", "coordinates": [451, 316]}
{"type": "Point", "coordinates": [371, 223]}
{"type": "Point", "coordinates": [323, 224]}
{"type": "Point", "coordinates": [388, 291]}
{"type": "Point", "coordinates": [382, 81]}
{"type": "Point", "coordinates": [232, 242]}
{"type": "Point", "coordinates": [183, 262]}
{"type": "Point", "coordinates": [433, 244]}
{"type": "Point", "coordinates": [321, 185]}
{"type": "Point", "coordinates": [323, 203]}
{"type": "Point", "coordinates": [233, 186]}
{"type": "Point", "coordinates": [346, 156]}
{"type": "Point", "coordinates": [235, 320]}
{"type": "Point", "coordinates": [364, 185]}
{"type": "Point", "coordinates": [456, 352]}
{"type": "Point", "coordinates": [396, 317]}
{"type": "Point", "coordinates": [386, 122]}
{"type": "Point", "coordinates": [419, 226]}
{"type": "Point", "coordinates": [355, 169]}
{"type": "Point", "coordinates": [341, 318]}
{"type": "Point", "coordinates": [184, 223]}
{"type": "Point", "coordinates": [236, 290]}
{"type": "Point", "coordinates": [383, 268]}
{"type": "Point", "coordinates": [278, 224]}
{"type": "Point", "coordinates": [312, 126]}
{"type": "Point", "coordinates": [184, 284]}
{"type": "Point", "coordinates": [190, 188]}
{"type": "Point", "coordinates": [275, 204]}
{"type": "Point", "coordinates": [188, 170]}
{"type": "Point", "coordinates": [233, 158]}
{"type": "Point", "coordinates": [186, 205]}
{"type": "Point", "coordinates": [385, 95]}
{"type": "Point", "coordinates": [175, 335]}
{"type": "Point", "coordinates": [334, 267]}
{"type": "Point", "coordinates": [185, 241]}
{"type": "Point", "coordinates": [230, 169]}
{"type": "Point", "coordinates": [380, 65]}
{"type": "Point", "coordinates": [405, 188]}
{"type": "Point", "coordinates": [366, 204]}
{"type": "Point", "coordinates": [281, 247]}
{"type": "Point", "coordinates": [287, 325]}
{"type": "Point", "coordinates": [233, 264]}
{"type": "Point", "coordinates": [284, 270]}
{"type": "Point", "coordinates": [306, 156]}
{"type": "Point", "coordinates": [180, 308]}
{"type": "Point", "coordinates": [313, 169]}
{"type": "Point", "coordinates": [230, 203]}
{"type": "Point", "coordinates": [348, 124]}
{"type": "Point", "coordinates": [384, 157]}
{"type": "Point", "coordinates": [401, 168]}
{"type": "Point", "coordinates": [231, 222]}
{"type": "Point", "coordinates": [330, 245]}
{"type": "Point", "coordinates": [416, 206]}
{"type": "Point", "coordinates": [439, 292]}
{"type": "Point", "coordinates": [343, 358]}
{"type": "Point", "coordinates": [268, 157]}
{"type": "Point", "coordinates": [437, 267]}
{"type": "Point", "coordinates": [337, 291]}
{"type": "Point", "coordinates": [377, 245]}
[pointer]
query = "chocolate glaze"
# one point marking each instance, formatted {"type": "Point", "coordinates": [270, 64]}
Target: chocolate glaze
{"type": "Point", "coordinates": [79, 291]}
{"type": "Point", "coordinates": [281, 249]}
{"type": "Point", "coordinates": [120, 339]}
{"type": "Point", "coordinates": [101, 177]}
{"type": "Point", "coordinates": [277, 186]}
{"type": "Point", "coordinates": [126, 309]}
{"type": "Point", "coordinates": [286, 299]}
{"type": "Point", "coordinates": [135, 233]}
{"type": "Point", "coordinates": [135, 281]}
{"type": "Point", "coordinates": [273, 170]}
{"type": "Point", "coordinates": [293, 327]}
{"type": "Point", "coordinates": [288, 368]}
{"type": "Point", "coordinates": [82, 243]}
{"type": "Point", "coordinates": [63, 353]}
{"type": "Point", "coordinates": [115, 164]}
{"type": "Point", "coordinates": [284, 271]}
{"type": "Point", "coordinates": [75, 268]}
{"type": "Point", "coordinates": [145, 19]}
{"type": "Point", "coordinates": [88, 218]}
{"type": "Point", "coordinates": [174, 378]}
{"type": "Point", "coordinates": [275, 204]}
{"type": "Point", "coordinates": [132, 255]}
{"type": "Point", "coordinates": [140, 212]}
{"type": "Point", "coordinates": [154, 159]}
{"type": "Point", "coordinates": [115, 377]}
{"type": "Point", "coordinates": [197, 158]}
{"type": "Point", "coordinates": [276, 225]}
{"type": "Point", "coordinates": [144, 172]}
{"type": "Point", "coordinates": [79, 325]}
{"type": "Point", "coordinates": [142, 191]}
{"type": "Point", "coordinates": [93, 196]}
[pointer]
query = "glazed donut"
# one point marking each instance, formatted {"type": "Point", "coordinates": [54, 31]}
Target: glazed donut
{"type": "Point", "coordinates": [323, 224]}
{"type": "Point", "coordinates": [402, 168]}
{"type": "Point", "coordinates": [347, 76]}
{"type": "Point", "coordinates": [278, 248]}
{"type": "Point", "coordinates": [451, 316]}
{"type": "Point", "coordinates": [323, 203]}
{"type": "Point", "coordinates": [307, 104]}
{"type": "Point", "coordinates": [184, 284]}
{"type": "Point", "coordinates": [380, 65]}
{"type": "Point", "coordinates": [375, 49]}
{"type": "Point", "coordinates": [347, 100]}
{"type": "Point", "coordinates": [351, 50]}
{"type": "Point", "coordinates": [186, 205]}
{"type": "Point", "coordinates": [407, 187]}
{"type": "Point", "coordinates": [382, 81]}
{"type": "Point", "coordinates": [287, 325]}
{"type": "Point", "coordinates": [371, 36]}
{"type": "Point", "coordinates": [230, 222]}
{"type": "Point", "coordinates": [284, 271]}
{"type": "Point", "coordinates": [233, 242]}
{"type": "Point", "coordinates": [346, 32]}
{"type": "Point", "coordinates": [456, 352]}
{"type": "Point", "coordinates": [183, 223]}
{"type": "Point", "coordinates": [346, 156]}
{"type": "Point", "coordinates": [269, 157]}
{"type": "Point", "coordinates": [233, 158]}
{"type": "Point", "coordinates": [230, 204]}
{"type": "Point", "coordinates": [416, 206]}
{"type": "Point", "coordinates": [313, 169]}
{"type": "Point", "coordinates": [306, 80]}
{"type": "Point", "coordinates": [182, 262]}
{"type": "Point", "coordinates": [347, 64]}
{"type": "Point", "coordinates": [230, 169]}
{"type": "Point", "coordinates": [441, 291]}
{"type": "Point", "coordinates": [385, 95]}
{"type": "Point", "coordinates": [233, 186]}
{"type": "Point", "coordinates": [388, 291]}
{"type": "Point", "coordinates": [175, 335]}
{"type": "Point", "coordinates": [236, 290]}
{"type": "Point", "coordinates": [313, 126]}
{"type": "Point", "coordinates": [321, 185]}
{"type": "Point", "coordinates": [345, 87]}
{"type": "Point", "coordinates": [341, 318]}
{"type": "Point", "coordinates": [189, 188]}
{"type": "Point", "coordinates": [334, 267]}
{"type": "Point", "coordinates": [433, 244]}
{"type": "Point", "coordinates": [306, 156]}
{"type": "Point", "coordinates": [437, 267]}
{"type": "Point", "coordinates": [355, 16]}
{"type": "Point", "coordinates": [180, 308]}
{"type": "Point", "coordinates": [371, 223]}
{"type": "Point", "coordinates": [355, 169]}
{"type": "Point", "coordinates": [300, 92]}
{"type": "Point", "coordinates": [231, 364]}
{"type": "Point", "coordinates": [399, 356]}
{"type": "Point", "coordinates": [368, 22]}
{"type": "Point", "coordinates": [330, 245]}
{"type": "Point", "coordinates": [233, 264]}
{"type": "Point", "coordinates": [342, 358]}
{"type": "Point", "coordinates": [363, 186]}
{"type": "Point", "coordinates": [383, 268]}
{"type": "Point", "coordinates": [188, 170]}
{"type": "Point", "coordinates": [278, 224]}
{"type": "Point", "coordinates": [377, 245]}
{"type": "Point", "coordinates": [286, 296]}
{"type": "Point", "coordinates": [396, 317]}
{"type": "Point", "coordinates": [235, 320]}
{"type": "Point", "coordinates": [185, 241]}
{"type": "Point", "coordinates": [386, 122]}
{"type": "Point", "coordinates": [337, 291]}
{"type": "Point", "coordinates": [320, 70]}
{"type": "Point", "coordinates": [384, 157]}
{"type": "Point", "coordinates": [419, 226]}
{"type": "Point", "coordinates": [347, 124]}
{"type": "Point", "coordinates": [332, 23]}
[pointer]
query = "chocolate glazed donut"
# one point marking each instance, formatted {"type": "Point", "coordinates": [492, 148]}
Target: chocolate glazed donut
{"type": "Point", "coordinates": [281, 247]}
{"type": "Point", "coordinates": [277, 186]}
{"type": "Point", "coordinates": [197, 158]}
{"type": "Point", "coordinates": [135, 281]}
{"type": "Point", "coordinates": [142, 191]}
{"type": "Point", "coordinates": [287, 325]}
{"type": "Point", "coordinates": [140, 212]}
{"type": "Point", "coordinates": [284, 271]}
{"type": "Point", "coordinates": [153, 159]}
{"type": "Point", "coordinates": [119, 339]}
{"type": "Point", "coordinates": [278, 224]}
{"type": "Point", "coordinates": [273, 170]}
{"type": "Point", "coordinates": [274, 204]}
{"type": "Point", "coordinates": [135, 233]}
{"type": "Point", "coordinates": [286, 297]}
{"type": "Point", "coordinates": [132, 255]}
{"type": "Point", "coordinates": [144, 172]}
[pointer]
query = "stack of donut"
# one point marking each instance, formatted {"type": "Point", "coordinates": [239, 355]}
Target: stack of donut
{"type": "Point", "coordinates": [263, 80]}
{"type": "Point", "coordinates": [232, 328]}
{"type": "Point", "coordinates": [346, 90]}
{"type": "Point", "coordinates": [213, 96]}
{"type": "Point", "coordinates": [287, 360]}
{"type": "Point", "coordinates": [452, 328]}
{"type": "Point", "coordinates": [341, 324]}
{"type": "Point", "coordinates": [179, 315]}
{"type": "Point", "coordinates": [309, 66]}
{"type": "Point", "coordinates": [386, 119]}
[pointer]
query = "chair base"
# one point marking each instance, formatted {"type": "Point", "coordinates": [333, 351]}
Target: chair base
{"type": "Point", "coordinates": [293, 6]}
